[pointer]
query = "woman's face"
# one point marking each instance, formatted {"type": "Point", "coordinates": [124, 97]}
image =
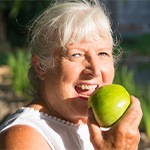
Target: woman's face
{"type": "Point", "coordinates": [81, 69]}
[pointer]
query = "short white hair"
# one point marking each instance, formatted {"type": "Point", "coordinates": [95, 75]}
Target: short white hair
{"type": "Point", "coordinates": [68, 21]}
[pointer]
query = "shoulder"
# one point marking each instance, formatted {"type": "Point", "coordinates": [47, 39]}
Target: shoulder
{"type": "Point", "coordinates": [22, 137]}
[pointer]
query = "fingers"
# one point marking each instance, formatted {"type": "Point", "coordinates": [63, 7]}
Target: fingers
{"type": "Point", "coordinates": [95, 132]}
{"type": "Point", "coordinates": [124, 133]}
{"type": "Point", "coordinates": [133, 115]}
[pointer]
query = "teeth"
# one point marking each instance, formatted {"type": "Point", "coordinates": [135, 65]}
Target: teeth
{"type": "Point", "coordinates": [86, 87]}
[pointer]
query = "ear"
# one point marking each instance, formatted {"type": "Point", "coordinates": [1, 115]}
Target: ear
{"type": "Point", "coordinates": [38, 67]}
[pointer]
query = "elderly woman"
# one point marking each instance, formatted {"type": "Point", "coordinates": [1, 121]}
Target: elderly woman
{"type": "Point", "coordinates": [72, 55]}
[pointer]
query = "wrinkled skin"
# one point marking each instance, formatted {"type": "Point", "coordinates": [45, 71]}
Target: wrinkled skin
{"type": "Point", "coordinates": [84, 64]}
{"type": "Point", "coordinates": [124, 135]}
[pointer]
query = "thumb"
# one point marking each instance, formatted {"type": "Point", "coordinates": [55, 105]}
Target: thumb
{"type": "Point", "coordinates": [94, 129]}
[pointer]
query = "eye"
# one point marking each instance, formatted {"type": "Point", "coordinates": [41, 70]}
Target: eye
{"type": "Point", "coordinates": [76, 55]}
{"type": "Point", "coordinates": [104, 54]}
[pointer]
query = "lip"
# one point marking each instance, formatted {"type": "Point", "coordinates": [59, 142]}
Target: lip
{"type": "Point", "coordinates": [84, 98]}
{"type": "Point", "coordinates": [84, 90]}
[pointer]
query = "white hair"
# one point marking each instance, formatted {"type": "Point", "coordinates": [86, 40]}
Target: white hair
{"type": "Point", "coordinates": [66, 22]}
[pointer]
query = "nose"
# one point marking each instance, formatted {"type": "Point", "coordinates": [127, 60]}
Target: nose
{"type": "Point", "coordinates": [92, 67]}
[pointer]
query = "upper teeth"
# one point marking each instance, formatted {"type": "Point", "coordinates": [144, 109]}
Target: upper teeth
{"type": "Point", "coordinates": [86, 87]}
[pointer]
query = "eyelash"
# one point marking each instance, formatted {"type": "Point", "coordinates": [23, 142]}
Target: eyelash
{"type": "Point", "coordinates": [76, 55]}
{"type": "Point", "coordinates": [103, 53]}
{"type": "Point", "coordinates": [81, 56]}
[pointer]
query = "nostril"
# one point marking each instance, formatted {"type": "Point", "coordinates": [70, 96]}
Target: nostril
{"type": "Point", "coordinates": [91, 72]}
{"type": "Point", "coordinates": [87, 70]}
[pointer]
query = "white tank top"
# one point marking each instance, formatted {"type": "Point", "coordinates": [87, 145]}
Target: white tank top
{"type": "Point", "coordinates": [59, 134]}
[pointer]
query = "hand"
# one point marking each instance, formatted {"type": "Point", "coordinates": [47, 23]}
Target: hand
{"type": "Point", "coordinates": [124, 135]}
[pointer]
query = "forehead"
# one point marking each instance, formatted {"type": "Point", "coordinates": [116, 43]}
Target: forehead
{"type": "Point", "coordinates": [96, 41]}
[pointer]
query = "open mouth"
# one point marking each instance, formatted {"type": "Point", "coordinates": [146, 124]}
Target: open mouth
{"type": "Point", "coordinates": [85, 90]}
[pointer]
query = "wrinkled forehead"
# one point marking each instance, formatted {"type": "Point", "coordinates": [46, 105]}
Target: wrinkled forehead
{"type": "Point", "coordinates": [94, 38]}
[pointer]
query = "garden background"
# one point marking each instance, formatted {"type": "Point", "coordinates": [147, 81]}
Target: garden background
{"type": "Point", "coordinates": [131, 23]}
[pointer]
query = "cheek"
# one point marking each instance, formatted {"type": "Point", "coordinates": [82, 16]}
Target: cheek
{"type": "Point", "coordinates": [70, 72]}
{"type": "Point", "coordinates": [108, 73]}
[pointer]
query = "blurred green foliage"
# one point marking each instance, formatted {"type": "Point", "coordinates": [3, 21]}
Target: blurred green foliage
{"type": "Point", "coordinates": [19, 64]}
{"type": "Point", "coordinates": [139, 44]}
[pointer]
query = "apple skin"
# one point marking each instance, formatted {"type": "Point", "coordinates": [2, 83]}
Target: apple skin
{"type": "Point", "coordinates": [109, 103]}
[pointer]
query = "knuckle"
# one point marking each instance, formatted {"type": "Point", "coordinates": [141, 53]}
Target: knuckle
{"type": "Point", "coordinates": [130, 133]}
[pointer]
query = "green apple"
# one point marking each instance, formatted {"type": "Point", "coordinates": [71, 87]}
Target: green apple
{"type": "Point", "coordinates": [109, 103]}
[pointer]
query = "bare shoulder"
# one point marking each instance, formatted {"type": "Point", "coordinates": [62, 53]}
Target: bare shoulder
{"type": "Point", "coordinates": [22, 137]}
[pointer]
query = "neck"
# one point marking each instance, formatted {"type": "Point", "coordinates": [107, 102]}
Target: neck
{"type": "Point", "coordinates": [38, 105]}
